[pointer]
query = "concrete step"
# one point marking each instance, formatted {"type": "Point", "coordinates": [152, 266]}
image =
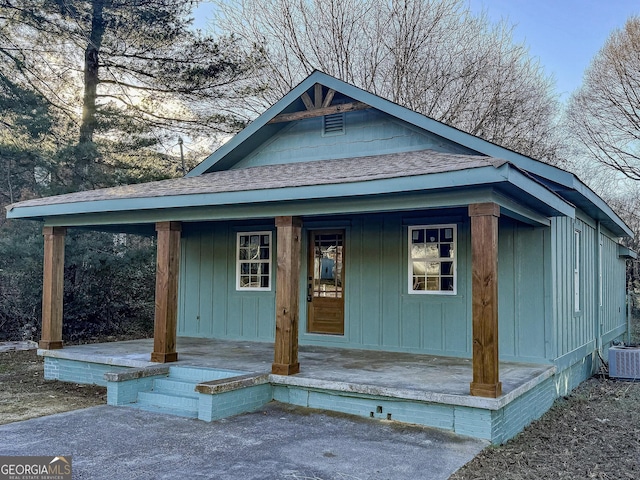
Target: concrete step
{"type": "Point", "coordinates": [168, 401]}
{"type": "Point", "coordinates": [175, 386]}
{"type": "Point", "coordinates": [200, 374]}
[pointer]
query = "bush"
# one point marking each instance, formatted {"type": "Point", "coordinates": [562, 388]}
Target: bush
{"type": "Point", "coordinates": [109, 284]}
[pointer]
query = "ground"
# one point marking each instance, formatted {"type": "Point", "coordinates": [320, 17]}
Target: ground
{"type": "Point", "coordinates": [24, 393]}
{"type": "Point", "coordinates": [593, 433]}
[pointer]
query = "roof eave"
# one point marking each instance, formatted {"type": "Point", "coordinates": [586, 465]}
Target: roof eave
{"type": "Point", "coordinates": [548, 203]}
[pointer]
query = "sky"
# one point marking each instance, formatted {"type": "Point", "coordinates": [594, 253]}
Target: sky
{"type": "Point", "coordinates": [564, 35]}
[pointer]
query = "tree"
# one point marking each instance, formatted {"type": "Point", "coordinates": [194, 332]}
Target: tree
{"type": "Point", "coordinates": [432, 56]}
{"type": "Point", "coordinates": [128, 76]}
{"type": "Point", "coordinates": [604, 114]}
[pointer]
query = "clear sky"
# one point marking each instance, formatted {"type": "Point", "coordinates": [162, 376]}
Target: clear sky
{"type": "Point", "coordinates": [564, 34]}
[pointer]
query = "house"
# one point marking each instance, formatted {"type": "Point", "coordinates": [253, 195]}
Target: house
{"type": "Point", "coordinates": [340, 220]}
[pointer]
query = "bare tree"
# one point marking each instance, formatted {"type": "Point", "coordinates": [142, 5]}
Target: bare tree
{"type": "Point", "coordinates": [432, 56]}
{"type": "Point", "coordinates": [604, 114]}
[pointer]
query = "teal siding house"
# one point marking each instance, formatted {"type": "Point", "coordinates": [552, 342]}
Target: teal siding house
{"type": "Point", "coordinates": [340, 220]}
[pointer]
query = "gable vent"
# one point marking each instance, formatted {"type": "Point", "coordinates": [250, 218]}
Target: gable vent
{"type": "Point", "coordinates": [333, 124]}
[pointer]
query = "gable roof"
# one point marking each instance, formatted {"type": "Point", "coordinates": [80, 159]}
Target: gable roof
{"type": "Point", "coordinates": [546, 189]}
{"type": "Point", "coordinates": [560, 181]}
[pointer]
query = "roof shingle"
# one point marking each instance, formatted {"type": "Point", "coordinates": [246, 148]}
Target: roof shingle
{"type": "Point", "coordinates": [321, 172]}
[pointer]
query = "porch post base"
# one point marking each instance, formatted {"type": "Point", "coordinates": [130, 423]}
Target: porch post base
{"type": "Point", "coordinates": [489, 390]}
{"type": "Point", "coordinates": [50, 345]}
{"type": "Point", "coordinates": [164, 357]}
{"type": "Point", "coordinates": [285, 369]}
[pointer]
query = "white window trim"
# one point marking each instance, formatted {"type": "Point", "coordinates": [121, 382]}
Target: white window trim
{"type": "Point", "coordinates": [576, 271]}
{"type": "Point", "coordinates": [238, 262]}
{"type": "Point", "coordinates": [600, 272]}
{"type": "Point", "coordinates": [410, 260]}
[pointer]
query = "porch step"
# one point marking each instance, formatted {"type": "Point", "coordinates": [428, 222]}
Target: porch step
{"type": "Point", "coordinates": [175, 386]}
{"type": "Point", "coordinates": [168, 403]}
{"type": "Point", "coordinates": [200, 374]}
{"type": "Point", "coordinates": [176, 394]}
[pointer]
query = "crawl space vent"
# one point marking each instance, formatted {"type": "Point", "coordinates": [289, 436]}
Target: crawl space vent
{"type": "Point", "coordinates": [333, 124]}
{"type": "Point", "coordinates": [624, 362]}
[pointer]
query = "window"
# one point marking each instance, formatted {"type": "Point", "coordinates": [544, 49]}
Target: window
{"type": "Point", "coordinates": [576, 272]}
{"type": "Point", "coordinates": [432, 259]}
{"type": "Point", "coordinates": [253, 261]}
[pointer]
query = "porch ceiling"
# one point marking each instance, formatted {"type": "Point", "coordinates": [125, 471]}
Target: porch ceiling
{"type": "Point", "coordinates": [399, 181]}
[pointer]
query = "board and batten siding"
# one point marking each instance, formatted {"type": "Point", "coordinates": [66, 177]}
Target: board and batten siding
{"type": "Point", "coordinates": [524, 265]}
{"type": "Point", "coordinates": [613, 315]}
{"type": "Point", "coordinates": [366, 132]}
{"type": "Point", "coordinates": [380, 314]}
{"type": "Point", "coordinates": [210, 306]}
{"type": "Point", "coordinates": [577, 331]}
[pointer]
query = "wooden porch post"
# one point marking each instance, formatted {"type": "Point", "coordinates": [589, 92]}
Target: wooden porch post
{"type": "Point", "coordinates": [484, 288]}
{"type": "Point", "coordinates": [166, 310]}
{"type": "Point", "coordinates": [52, 287]}
{"type": "Point", "coordinates": [287, 292]}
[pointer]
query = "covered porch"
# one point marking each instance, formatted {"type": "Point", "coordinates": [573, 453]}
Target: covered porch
{"type": "Point", "coordinates": [483, 369]}
{"type": "Point", "coordinates": [412, 388]}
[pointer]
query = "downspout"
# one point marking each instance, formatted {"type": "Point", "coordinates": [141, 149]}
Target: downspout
{"type": "Point", "coordinates": [628, 292]}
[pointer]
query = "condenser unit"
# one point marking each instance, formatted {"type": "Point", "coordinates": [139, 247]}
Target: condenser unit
{"type": "Point", "coordinates": [624, 362]}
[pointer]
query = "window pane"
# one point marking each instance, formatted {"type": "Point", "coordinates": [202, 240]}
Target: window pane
{"type": "Point", "coordinates": [265, 268]}
{"type": "Point", "coordinates": [244, 254]}
{"type": "Point", "coordinates": [447, 268]}
{"type": "Point", "coordinates": [446, 250]}
{"type": "Point", "coordinates": [244, 240]}
{"type": "Point", "coordinates": [433, 268]}
{"type": "Point", "coordinates": [431, 250]}
{"type": "Point", "coordinates": [419, 268]}
{"type": "Point", "coordinates": [433, 283]}
{"type": "Point", "coordinates": [244, 268]}
{"type": "Point", "coordinates": [417, 236]}
{"type": "Point", "coordinates": [264, 282]}
{"type": "Point", "coordinates": [446, 235]}
{"type": "Point", "coordinates": [432, 235]}
{"type": "Point", "coordinates": [419, 283]}
{"type": "Point", "coordinates": [264, 253]}
{"type": "Point", "coordinates": [418, 251]}
{"type": "Point", "coordinates": [446, 283]}
{"type": "Point", "coordinates": [264, 240]}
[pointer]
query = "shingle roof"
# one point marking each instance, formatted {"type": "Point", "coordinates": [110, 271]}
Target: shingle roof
{"type": "Point", "coordinates": [322, 172]}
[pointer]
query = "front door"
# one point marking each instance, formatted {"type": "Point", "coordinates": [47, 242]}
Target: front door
{"type": "Point", "coordinates": [325, 286]}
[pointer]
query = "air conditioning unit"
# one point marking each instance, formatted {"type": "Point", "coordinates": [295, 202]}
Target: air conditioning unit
{"type": "Point", "coordinates": [624, 362]}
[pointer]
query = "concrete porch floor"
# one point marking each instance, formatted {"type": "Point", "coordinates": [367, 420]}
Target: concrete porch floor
{"type": "Point", "coordinates": [388, 374]}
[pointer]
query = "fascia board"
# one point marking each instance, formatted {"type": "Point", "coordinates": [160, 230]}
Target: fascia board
{"type": "Point", "coordinates": [254, 126]}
